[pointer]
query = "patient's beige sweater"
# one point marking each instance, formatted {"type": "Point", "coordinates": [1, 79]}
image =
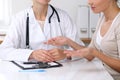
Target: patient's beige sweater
{"type": "Point", "coordinates": [110, 44]}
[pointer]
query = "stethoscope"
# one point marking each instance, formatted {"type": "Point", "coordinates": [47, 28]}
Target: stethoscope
{"type": "Point", "coordinates": [49, 20]}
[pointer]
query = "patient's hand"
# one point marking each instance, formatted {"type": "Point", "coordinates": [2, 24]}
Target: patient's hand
{"type": "Point", "coordinates": [58, 41]}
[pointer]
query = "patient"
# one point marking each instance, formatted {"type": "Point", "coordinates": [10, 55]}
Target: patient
{"type": "Point", "coordinates": [105, 44]}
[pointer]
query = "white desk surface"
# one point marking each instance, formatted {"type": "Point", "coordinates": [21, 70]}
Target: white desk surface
{"type": "Point", "coordinates": [75, 70]}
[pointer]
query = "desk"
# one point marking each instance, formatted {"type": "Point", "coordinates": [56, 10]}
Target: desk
{"type": "Point", "coordinates": [75, 70]}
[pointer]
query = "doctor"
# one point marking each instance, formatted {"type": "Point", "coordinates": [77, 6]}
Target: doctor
{"type": "Point", "coordinates": [34, 26]}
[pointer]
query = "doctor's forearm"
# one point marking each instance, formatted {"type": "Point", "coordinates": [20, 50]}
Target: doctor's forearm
{"type": "Point", "coordinates": [74, 45]}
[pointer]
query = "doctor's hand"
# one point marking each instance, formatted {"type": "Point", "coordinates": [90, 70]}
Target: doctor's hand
{"type": "Point", "coordinates": [57, 54]}
{"type": "Point", "coordinates": [41, 55]}
{"type": "Point", "coordinates": [58, 41]}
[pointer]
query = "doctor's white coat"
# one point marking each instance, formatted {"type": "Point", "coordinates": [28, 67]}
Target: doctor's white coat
{"type": "Point", "coordinates": [14, 45]}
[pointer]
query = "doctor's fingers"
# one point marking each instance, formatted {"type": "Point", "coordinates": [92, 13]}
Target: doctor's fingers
{"type": "Point", "coordinates": [57, 54]}
{"type": "Point", "coordinates": [59, 57]}
{"type": "Point", "coordinates": [56, 50]}
{"type": "Point", "coordinates": [44, 57]}
{"type": "Point", "coordinates": [47, 53]}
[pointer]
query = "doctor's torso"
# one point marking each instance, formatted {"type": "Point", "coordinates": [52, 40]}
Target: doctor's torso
{"type": "Point", "coordinates": [37, 36]}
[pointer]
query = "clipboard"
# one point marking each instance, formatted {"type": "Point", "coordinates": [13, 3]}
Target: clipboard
{"type": "Point", "coordinates": [36, 65]}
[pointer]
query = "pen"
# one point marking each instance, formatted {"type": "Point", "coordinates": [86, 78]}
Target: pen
{"type": "Point", "coordinates": [38, 70]}
{"type": "Point", "coordinates": [31, 62]}
{"type": "Point", "coordinates": [34, 63]}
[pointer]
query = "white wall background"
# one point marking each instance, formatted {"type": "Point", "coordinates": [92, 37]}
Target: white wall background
{"type": "Point", "coordinates": [18, 5]}
{"type": "Point", "coordinates": [71, 6]}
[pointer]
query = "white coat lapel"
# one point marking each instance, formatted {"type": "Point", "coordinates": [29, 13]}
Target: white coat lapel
{"type": "Point", "coordinates": [35, 32]}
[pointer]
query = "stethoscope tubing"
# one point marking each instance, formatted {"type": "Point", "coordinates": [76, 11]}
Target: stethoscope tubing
{"type": "Point", "coordinates": [49, 20]}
